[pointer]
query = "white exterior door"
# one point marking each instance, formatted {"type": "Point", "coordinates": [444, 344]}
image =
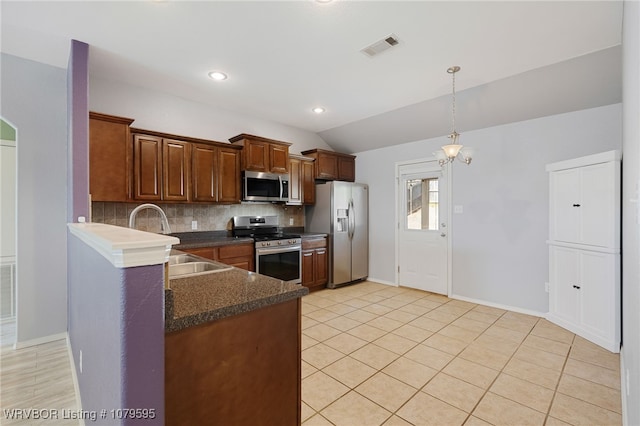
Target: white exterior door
{"type": "Point", "coordinates": [422, 227]}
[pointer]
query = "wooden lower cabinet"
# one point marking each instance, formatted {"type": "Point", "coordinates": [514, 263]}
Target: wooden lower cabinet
{"type": "Point", "coordinates": [240, 370]}
{"type": "Point", "coordinates": [314, 263]}
{"type": "Point", "coordinates": [239, 255]}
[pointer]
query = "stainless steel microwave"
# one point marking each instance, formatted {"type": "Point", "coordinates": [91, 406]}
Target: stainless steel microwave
{"type": "Point", "coordinates": [259, 186]}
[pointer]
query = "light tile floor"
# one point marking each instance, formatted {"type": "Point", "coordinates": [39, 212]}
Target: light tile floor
{"type": "Point", "coordinates": [374, 354]}
{"type": "Point", "coordinates": [37, 377]}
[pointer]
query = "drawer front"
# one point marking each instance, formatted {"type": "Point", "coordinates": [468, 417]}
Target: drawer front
{"type": "Point", "coordinates": [313, 243]}
{"type": "Point", "coordinates": [235, 250]}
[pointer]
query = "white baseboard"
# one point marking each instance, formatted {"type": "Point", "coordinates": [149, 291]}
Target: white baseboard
{"type": "Point", "coordinates": [623, 388]}
{"type": "Point", "coordinates": [76, 387]}
{"type": "Point", "coordinates": [500, 306]}
{"type": "Point", "coordinates": [40, 340]}
{"type": "Point", "coordinates": [376, 280]}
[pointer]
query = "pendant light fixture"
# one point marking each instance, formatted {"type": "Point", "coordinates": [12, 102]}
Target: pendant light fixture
{"type": "Point", "coordinates": [453, 150]}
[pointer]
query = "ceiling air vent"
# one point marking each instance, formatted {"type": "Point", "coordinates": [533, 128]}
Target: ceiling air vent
{"type": "Point", "coordinates": [381, 45]}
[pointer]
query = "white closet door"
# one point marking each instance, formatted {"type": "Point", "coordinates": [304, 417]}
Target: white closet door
{"type": "Point", "coordinates": [597, 205]}
{"type": "Point", "coordinates": [564, 271]}
{"type": "Point", "coordinates": [597, 292]}
{"type": "Point", "coordinates": [565, 198]}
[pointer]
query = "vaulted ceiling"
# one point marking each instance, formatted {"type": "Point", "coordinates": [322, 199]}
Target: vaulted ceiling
{"type": "Point", "coordinates": [519, 59]}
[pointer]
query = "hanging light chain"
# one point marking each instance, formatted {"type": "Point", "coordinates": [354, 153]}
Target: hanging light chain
{"type": "Point", "coordinates": [453, 70]}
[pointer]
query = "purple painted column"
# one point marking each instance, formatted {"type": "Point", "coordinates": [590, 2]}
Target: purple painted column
{"type": "Point", "coordinates": [78, 125]}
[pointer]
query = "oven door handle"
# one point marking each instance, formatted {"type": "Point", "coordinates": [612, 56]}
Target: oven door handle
{"type": "Point", "coordinates": [276, 250]}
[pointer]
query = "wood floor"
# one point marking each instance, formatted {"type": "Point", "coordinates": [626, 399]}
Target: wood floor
{"type": "Point", "coordinates": [374, 354]}
{"type": "Point", "coordinates": [37, 377]}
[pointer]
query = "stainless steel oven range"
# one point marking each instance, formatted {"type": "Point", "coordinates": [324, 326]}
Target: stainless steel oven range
{"type": "Point", "coordinates": [278, 255]}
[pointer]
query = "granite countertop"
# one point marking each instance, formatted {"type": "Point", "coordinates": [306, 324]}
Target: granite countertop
{"type": "Point", "coordinates": [202, 298]}
{"type": "Point", "coordinates": [312, 235]}
{"type": "Point", "coordinates": [191, 240]}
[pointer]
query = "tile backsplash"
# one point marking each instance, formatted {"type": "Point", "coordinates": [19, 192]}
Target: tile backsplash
{"type": "Point", "coordinates": [208, 217]}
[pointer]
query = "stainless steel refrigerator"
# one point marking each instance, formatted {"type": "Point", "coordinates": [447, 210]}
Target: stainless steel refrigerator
{"type": "Point", "coordinates": [342, 211]}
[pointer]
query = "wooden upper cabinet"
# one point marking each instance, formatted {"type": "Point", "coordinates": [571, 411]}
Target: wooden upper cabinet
{"type": "Point", "coordinates": [110, 158]}
{"type": "Point", "coordinates": [302, 185]}
{"type": "Point", "coordinates": [176, 156]}
{"type": "Point", "coordinates": [331, 165]}
{"type": "Point", "coordinates": [263, 155]}
{"type": "Point", "coordinates": [216, 174]}
{"type": "Point", "coordinates": [183, 169]}
{"type": "Point", "coordinates": [346, 168]}
{"type": "Point", "coordinates": [203, 170]}
{"type": "Point", "coordinates": [229, 175]}
{"type": "Point", "coordinates": [295, 181]}
{"type": "Point", "coordinates": [308, 182]}
{"type": "Point", "coordinates": [278, 158]}
{"type": "Point", "coordinates": [256, 156]}
{"type": "Point", "coordinates": [147, 167]}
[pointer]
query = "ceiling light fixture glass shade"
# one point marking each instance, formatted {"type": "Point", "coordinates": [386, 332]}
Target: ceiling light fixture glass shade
{"type": "Point", "coordinates": [217, 75]}
{"type": "Point", "coordinates": [453, 150]}
{"type": "Point", "coordinates": [318, 110]}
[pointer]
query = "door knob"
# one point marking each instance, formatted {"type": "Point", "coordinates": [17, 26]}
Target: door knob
{"type": "Point", "coordinates": [443, 235]}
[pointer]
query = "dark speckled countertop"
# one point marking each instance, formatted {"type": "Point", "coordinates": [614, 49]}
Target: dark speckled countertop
{"type": "Point", "coordinates": [191, 240]}
{"type": "Point", "coordinates": [202, 298]}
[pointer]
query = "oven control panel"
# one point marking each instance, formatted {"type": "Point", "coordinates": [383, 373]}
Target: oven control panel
{"type": "Point", "coordinates": [278, 243]}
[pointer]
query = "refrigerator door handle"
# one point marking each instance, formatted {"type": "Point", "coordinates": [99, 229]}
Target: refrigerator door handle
{"type": "Point", "coordinates": [352, 219]}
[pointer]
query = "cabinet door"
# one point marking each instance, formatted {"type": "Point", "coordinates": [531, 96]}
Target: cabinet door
{"type": "Point", "coordinates": [308, 183]}
{"type": "Point", "coordinates": [278, 158]}
{"type": "Point", "coordinates": [308, 268]}
{"type": "Point", "coordinates": [206, 252]}
{"type": "Point", "coordinates": [229, 175]}
{"type": "Point", "coordinates": [597, 293]}
{"type": "Point", "coordinates": [321, 266]}
{"type": "Point", "coordinates": [597, 205]}
{"type": "Point", "coordinates": [256, 156]}
{"type": "Point", "coordinates": [147, 167]}
{"type": "Point", "coordinates": [346, 169]}
{"type": "Point", "coordinates": [326, 166]}
{"type": "Point", "coordinates": [564, 277]}
{"type": "Point", "coordinates": [110, 155]}
{"type": "Point", "coordinates": [176, 157]}
{"type": "Point", "coordinates": [203, 170]}
{"type": "Point", "coordinates": [295, 181]}
{"type": "Point", "coordinates": [565, 205]}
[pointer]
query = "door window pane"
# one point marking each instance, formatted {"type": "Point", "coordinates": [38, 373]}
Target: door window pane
{"type": "Point", "coordinates": [422, 204]}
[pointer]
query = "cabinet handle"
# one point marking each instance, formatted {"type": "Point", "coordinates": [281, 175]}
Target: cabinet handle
{"type": "Point", "coordinates": [311, 254]}
{"type": "Point", "coordinates": [576, 205]}
{"type": "Point", "coordinates": [576, 287]}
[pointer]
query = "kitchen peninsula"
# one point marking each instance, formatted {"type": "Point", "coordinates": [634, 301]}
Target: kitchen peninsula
{"type": "Point", "coordinates": [229, 348]}
{"type": "Point", "coordinates": [232, 350]}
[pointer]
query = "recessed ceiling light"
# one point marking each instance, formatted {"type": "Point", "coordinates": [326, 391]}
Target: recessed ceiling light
{"type": "Point", "coordinates": [318, 110]}
{"type": "Point", "coordinates": [217, 75]}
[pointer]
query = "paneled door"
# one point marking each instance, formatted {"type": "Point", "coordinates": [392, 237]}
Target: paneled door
{"type": "Point", "coordinates": [422, 227]}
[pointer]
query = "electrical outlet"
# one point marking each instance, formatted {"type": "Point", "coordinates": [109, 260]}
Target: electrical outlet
{"type": "Point", "coordinates": [194, 225]}
{"type": "Point", "coordinates": [80, 361]}
{"type": "Point", "coordinates": [546, 287]}
{"type": "Point", "coordinates": [290, 221]}
{"type": "Point", "coordinates": [457, 209]}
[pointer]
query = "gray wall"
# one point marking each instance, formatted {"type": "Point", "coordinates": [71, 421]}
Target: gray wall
{"type": "Point", "coordinates": [498, 242]}
{"type": "Point", "coordinates": [34, 98]}
{"type": "Point", "coordinates": [630, 212]}
{"type": "Point", "coordinates": [167, 113]}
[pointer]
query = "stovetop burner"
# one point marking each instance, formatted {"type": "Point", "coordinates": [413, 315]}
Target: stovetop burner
{"type": "Point", "coordinates": [262, 228]}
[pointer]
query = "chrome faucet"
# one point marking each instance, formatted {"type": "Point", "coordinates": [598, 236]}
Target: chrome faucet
{"type": "Point", "coordinates": [164, 224]}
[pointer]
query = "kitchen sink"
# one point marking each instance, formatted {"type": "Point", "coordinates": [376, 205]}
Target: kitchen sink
{"type": "Point", "coordinates": [185, 265]}
{"type": "Point", "coordinates": [177, 259]}
{"type": "Point", "coordinates": [195, 268]}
